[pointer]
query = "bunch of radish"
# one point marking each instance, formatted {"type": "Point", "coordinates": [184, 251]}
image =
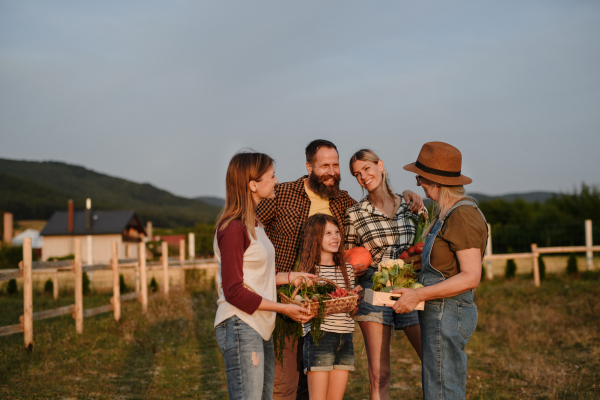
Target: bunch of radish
{"type": "Point", "coordinates": [338, 293]}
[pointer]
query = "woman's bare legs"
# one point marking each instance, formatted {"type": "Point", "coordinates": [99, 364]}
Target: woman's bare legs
{"type": "Point", "coordinates": [377, 343]}
{"type": "Point", "coordinates": [413, 333]}
{"type": "Point", "coordinates": [327, 385]}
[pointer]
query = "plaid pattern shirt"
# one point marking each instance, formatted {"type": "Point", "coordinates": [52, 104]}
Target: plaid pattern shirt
{"type": "Point", "coordinates": [386, 238]}
{"type": "Point", "coordinates": [284, 216]}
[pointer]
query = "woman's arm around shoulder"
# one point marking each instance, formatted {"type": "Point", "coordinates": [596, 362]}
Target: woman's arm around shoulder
{"type": "Point", "coordinates": [417, 201]}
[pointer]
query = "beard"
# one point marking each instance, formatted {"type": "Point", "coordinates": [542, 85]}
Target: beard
{"type": "Point", "coordinates": [316, 183]}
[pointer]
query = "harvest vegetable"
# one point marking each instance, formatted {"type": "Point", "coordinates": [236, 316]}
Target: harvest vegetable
{"type": "Point", "coordinates": [286, 327]}
{"type": "Point", "coordinates": [422, 221]}
{"type": "Point", "coordinates": [394, 274]}
{"type": "Point", "coordinates": [359, 255]}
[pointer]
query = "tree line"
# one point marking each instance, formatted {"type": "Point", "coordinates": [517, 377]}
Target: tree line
{"type": "Point", "coordinates": [557, 222]}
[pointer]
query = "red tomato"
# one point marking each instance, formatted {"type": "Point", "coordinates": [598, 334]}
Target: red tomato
{"type": "Point", "coordinates": [420, 244]}
{"type": "Point", "coordinates": [404, 255]}
{"type": "Point", "coordinates": [411, 249]}
{"type": "Point", "coordinates": [418, 250]}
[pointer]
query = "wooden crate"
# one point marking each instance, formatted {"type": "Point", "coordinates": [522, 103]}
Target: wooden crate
{"type": "Point", "coordinates": [385, 299]}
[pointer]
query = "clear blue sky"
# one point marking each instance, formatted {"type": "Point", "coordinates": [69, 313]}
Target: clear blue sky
{"type": "Point", "coordinates": [166, 92]}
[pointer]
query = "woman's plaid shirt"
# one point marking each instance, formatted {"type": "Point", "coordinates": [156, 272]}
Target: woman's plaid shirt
{"type": "Point", "coordinates": [386, 238]}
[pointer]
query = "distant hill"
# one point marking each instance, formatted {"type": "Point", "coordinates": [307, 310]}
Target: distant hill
{"type": "Point", "coordinates": [215, 201]}
{"type": "Point", "coordinates": [529, 197]}
{"type": "Point", "coordinates": [34, 190]}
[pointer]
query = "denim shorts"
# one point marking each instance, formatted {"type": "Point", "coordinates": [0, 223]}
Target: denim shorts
{"type": "Point", "coordinates": [335, 351]}
{"type": "Point", "coordinates": [382, 314]}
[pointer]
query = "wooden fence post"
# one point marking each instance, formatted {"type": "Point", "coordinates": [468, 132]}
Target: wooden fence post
{"type": "Point", "coordinates": [55, 284]}
{"type": "Point", "coordinates": [191, 245]}
{"type": "Point", "coordinates": [27, 295]}
{"type": "Point", "coordinates": [143, 280]}
{"type": "Point", "coordinates": [116, 299]}
{"type": "Point", "coordinates": [165, 264]}
{"type": "Point", "coordinates": [77, 267]}
{"type": "Point", "coordinates": [136, 272]}
{"type": "Point", "coordinates": [8, 228]}
{"type": "Point", "coordinates": [589, 254]}
{"type": "Point", "coordinates": [536, 266]}
{"type": "Point", "coordinates": [181, 261]}
{"type": "Point", "coordinates": [488, 252]}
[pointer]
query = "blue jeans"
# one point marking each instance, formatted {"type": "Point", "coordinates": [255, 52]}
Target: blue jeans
{"type": "Point", "coordinates": [249, 360]}
{"type": "Point", "coordinates": [446, 327]}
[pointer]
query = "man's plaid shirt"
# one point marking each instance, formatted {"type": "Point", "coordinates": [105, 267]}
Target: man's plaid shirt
{"type": "Point", "coordinates": [386, 238]}
{"type": "Point", "coordinates": [284, 216]}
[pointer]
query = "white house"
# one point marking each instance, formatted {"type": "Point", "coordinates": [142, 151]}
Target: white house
{"type": "Point", "coordinates": [97, 230]}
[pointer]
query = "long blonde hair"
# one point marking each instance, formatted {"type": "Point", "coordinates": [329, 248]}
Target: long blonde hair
{"type": "Point", "coordinates": [243, 168]}
{"type": "Point", "coordinates": [369, 155]}
{"type": "Point", "coordinates": [449, 195]}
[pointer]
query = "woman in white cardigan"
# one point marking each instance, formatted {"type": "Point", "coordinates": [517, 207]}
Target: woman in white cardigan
{"type": "Point", "coordinates": [247, 281]}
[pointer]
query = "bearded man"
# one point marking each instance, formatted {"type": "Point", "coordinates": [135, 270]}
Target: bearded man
{"type": "Point", "coordinates": [283, 218]}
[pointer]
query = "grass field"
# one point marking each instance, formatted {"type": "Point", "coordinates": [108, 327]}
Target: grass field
{"type": "Point", "coordinates": [530, 343]}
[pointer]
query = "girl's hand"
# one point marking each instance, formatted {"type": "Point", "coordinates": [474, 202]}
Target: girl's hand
{"type": "Point", "coordinates": [299, 277]}
{"type": "Point", "coordinates": [297, 313]}
{"type": "Point", "coordinates": [360, 292]}
{"type": "Point", "coordinates": [417, 201]}
{"type": "Point", "coordinates": [408, 301]}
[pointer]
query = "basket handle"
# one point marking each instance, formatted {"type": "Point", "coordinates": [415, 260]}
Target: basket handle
{"type": "Point", "coordinates": [318, 279]}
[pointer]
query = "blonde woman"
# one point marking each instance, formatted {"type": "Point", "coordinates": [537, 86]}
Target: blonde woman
{"type": "Point", "coordinates": [452, 257]}
{"type": "Point", "coordinates": [246, 283]}
{"type": "Point", "coordinates": [383, 223]}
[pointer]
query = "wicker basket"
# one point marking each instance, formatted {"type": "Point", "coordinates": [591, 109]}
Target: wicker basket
{"type": "Point", "coordinates": [333, 306]}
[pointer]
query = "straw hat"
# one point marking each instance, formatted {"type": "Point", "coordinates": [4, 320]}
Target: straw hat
{"type": "Point", "coordinates": [440, 163]}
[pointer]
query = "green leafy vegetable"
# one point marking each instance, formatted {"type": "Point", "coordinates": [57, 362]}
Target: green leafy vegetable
{"type": "Point", "coordinates": [285, 327]}
{"type": "Point", "coordinates": [394, 274]}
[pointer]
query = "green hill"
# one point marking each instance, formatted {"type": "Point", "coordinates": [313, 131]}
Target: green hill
{"type": "Point", "coordinates": [34, 190]}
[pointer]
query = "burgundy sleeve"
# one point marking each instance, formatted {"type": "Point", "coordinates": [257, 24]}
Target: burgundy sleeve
{"type": "Point", "coordinates": [233, 242]}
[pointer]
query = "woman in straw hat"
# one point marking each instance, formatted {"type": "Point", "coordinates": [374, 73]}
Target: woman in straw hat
{"type": "Point", "coordinates": [452, 258]}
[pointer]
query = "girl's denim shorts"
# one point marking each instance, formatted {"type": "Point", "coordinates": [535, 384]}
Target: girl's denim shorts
{"type": "Point", "coordinates": [335, 351]}
{"type": "Point", "coordinates": [383, 315]}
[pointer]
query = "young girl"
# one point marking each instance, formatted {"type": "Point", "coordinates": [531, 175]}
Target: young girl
{"type": "Point", "coordinates": [327, 365]}
{"type": "Point", "coordinates": [247, 301]}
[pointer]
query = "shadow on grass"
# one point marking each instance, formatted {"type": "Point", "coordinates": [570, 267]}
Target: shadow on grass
{"type": "Point", "coordinates": [212, 379]}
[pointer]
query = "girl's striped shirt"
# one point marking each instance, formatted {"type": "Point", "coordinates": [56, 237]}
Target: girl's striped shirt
{"type": "Point", "coordinates": [337, 323]}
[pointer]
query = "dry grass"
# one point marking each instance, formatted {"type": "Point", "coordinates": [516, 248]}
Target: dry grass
{"type": "Point", "coordinates": [530, 343]}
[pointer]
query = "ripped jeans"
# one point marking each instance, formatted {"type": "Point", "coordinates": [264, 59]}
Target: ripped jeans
{"type": "Point", "coordinates": [249, 360]}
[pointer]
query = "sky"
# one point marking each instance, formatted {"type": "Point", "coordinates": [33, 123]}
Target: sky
{"type": "Point", "coordinates": [165, 92]}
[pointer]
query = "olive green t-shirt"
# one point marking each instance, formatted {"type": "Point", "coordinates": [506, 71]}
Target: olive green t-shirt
{"type": "Point", "coordinates": [464, 229]}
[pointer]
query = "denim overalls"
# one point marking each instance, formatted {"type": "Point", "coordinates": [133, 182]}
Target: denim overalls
{"type": "Point", "coordinates": [446, 326]}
